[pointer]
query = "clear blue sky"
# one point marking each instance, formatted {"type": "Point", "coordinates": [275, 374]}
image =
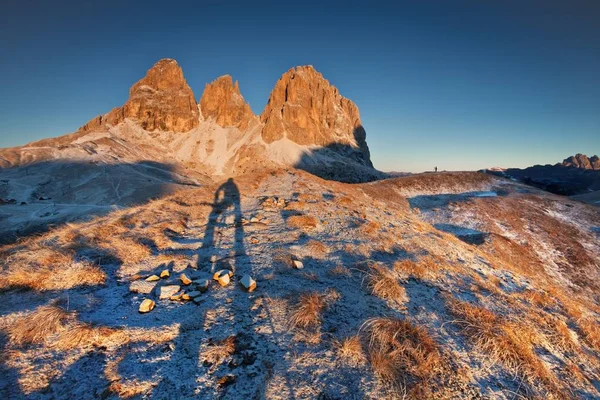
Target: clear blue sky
{"type": "Point", "coordinates": [457, 84]}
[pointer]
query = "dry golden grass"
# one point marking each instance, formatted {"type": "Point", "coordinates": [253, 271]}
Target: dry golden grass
{"type": "Point", "coordinates": [306, 313]}
{"type": "Point", "coordinates": [426, 267]}
{"type": "Point", "coordinates": [217, 352]}
{"type": "Point", "coordinates": [591, 331]}
{"type": "Point", "coordinates": [41, 268]}
{"type": "Point", "coordinates": [350, 351]}
{"type": "Point", "coordinates": [384, 284]}
{"type": "Point", "coordinates": [54, 327]}
{"type": "Point", "coordinates": [509, 342]}
{"type": "Point", "coordinates": [403, 356]}
{"type": "Point", "coordinates": [344, 201]}
{"type": "Point", "coordinates": [555, 330]}
{"type": "Point", "coordinates": [538, 298]}
{"type": "Point", "coordinates": [306, 222]}
{"type": "Point", "coordinates": [317, 249]}
{"type": "Point", "coordinates": [410, 269]}
{"type": "Point", "coordinates": [340, 270]}
{"type": "Point", "coordinates": [370, 228]}
{"type": "Point", "coordinates": [39, 325]}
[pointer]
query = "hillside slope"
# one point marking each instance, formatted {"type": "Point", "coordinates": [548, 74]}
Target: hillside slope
{"type": "Point", "coordinates": [394, 298]}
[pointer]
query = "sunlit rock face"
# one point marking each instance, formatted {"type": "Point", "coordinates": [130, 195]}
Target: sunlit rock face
{"type": "Point", "coordinates": [306, 109]}
{"type": "Point", "coordinates": [223, 102]}
{"type": "Point", "coordinates": [162, 100]}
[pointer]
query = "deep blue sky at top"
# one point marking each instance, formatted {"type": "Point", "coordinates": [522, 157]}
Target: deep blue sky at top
{"type": "Point", "coordinates": [457, 84]}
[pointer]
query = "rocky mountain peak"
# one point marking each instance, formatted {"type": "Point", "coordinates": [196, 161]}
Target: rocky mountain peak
{"type": "Point", "coordinates": [582, 161]}
{"type": "Point", "coordinates": [223, 102]}
{"type": "Point", "coordinates": [306, 109]}
{"type": "Point", "coordinates": [162, 100]}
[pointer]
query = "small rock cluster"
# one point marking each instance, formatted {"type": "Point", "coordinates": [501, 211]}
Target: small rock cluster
{"type": "Point", "coordinates": [273, 203]}
{"type": "Point", "coordinates": [193, 289]}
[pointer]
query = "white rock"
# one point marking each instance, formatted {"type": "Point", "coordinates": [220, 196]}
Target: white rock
{"type": "Point", "coordinates": [248, 283]}
{"type": "Point", "coordinates": [143, 287]}
{"type": "Point", "coordinates": [298, 264]}
{"type": "Point", "coordinates": [223, 277]}
{"type": "Point", "coordinates": [168, 291]}
{"type": "Point", "coordinates": [153, 278]}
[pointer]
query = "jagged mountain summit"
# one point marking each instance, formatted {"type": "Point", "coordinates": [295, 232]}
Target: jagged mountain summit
{"type": "Point", "coordinates": [582, 161]}
{"type": "Point", "coordinates": [307, 124]}
{"type": "Point", "coordinates": [223, 102]}
{"type": "Point", "coordinates": [162, 100]}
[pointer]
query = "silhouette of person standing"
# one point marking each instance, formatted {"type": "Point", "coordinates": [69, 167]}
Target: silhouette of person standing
{"type": "Point", "coordinates": [435, 168]}
{"type": "Point", "coordinates": [226, 203]}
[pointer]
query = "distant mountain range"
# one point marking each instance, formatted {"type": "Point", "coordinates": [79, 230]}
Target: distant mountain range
{"type": "Point", "coordinates": [577, 176]}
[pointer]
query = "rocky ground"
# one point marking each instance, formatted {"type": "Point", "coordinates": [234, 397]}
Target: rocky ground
{"type": "Point", "coordinates": [335, 266]}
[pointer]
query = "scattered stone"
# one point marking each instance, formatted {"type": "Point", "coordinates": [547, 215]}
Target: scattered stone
{"type": "Point", "coordinates": [143, 287]}
{"type": "Point", "coordinates": [202, 285]}
{"type": "Point", "coordinates": [226, 380]}
{"type": "Point", "coordinates": [253, 240]}
{"type": "Point", "coordinates": [254, 220]}
{"type": "Point", "coordinates": [153, 278]}
{"type": "Point", "coordinates": [198, 299]}
{"type": "Point", "coordinates": [168, 291]}
{"type": "Point", "coordinates": [223, 277]}
{"type": "Point", "coordinates": [193, 294]}
{"type": "Point", "coordinates": [165, 274]}
{"type": "Point", "coordinates": [298, 264]}
{"type": "Point", "coordinates": [146, 306]}
{"type": "Point", "coordinates": [248, 283]}
{"type": "Point", "coordinates": [177, 296]}
{"type": "Point", "coordinates": [213, 258]}
{"type": "Point", "coordinates": [185, 280]}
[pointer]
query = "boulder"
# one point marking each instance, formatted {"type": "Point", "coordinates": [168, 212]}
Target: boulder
{"type": "Point", "coordinates": [146, 306]}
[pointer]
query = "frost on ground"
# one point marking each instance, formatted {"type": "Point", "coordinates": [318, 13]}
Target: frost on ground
{"type": "Point", "coordinates": [363, 291]}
